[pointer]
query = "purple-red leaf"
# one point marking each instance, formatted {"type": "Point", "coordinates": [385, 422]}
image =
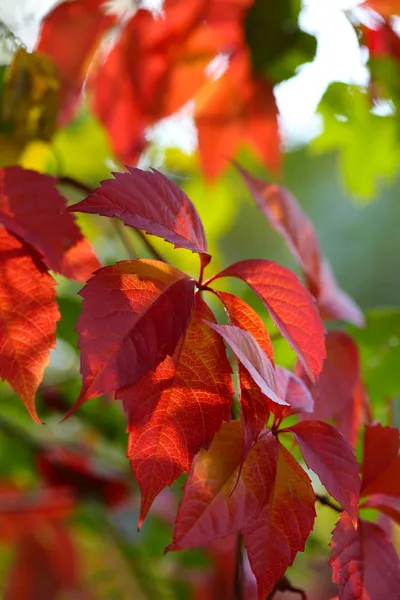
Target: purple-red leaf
{"type": "Point", "coordinates": [253, 403]}
{"type": "Point", "coordinates": [381, 463]}
{"type": "Point", "coordinates": [364, 562]}
{"type": "Point", "coordinates": [28, 316]}
{"type": "Point", "coordinates": [330, 456]}
{"type": "Point", "coordinates": [252, 357]}
{"type": "Point", "coordinates": [150, 201]}
{"type": "Point", "coordinates": [388, 505]}
{"type": "Point", "coordinates": [177, 410]}
{"type": "Point", "coordinates": [290, 305]}
{"type": "Point", "coordinates": [292, 389]}
{"type": "Point", "coordinates": [288, 219]}
{"type": "Point", "coordinates": [30, 208]}
{"type": "Point", "coordinates": [220, 497]}
{"type": "Point", "coordinates": [282, 529]}
{"type": "Point", "coordinates": [134, 314]}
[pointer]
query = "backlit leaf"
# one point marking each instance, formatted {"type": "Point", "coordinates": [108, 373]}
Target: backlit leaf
{"type": "Point", "coordinates": [290, 305]}
{"type": "Point", "coordinates": [176, 410]}
{"type": "Point", "coordinates": [30, 208]}
{"type": "Point", "coordinates": [381, 463]}
{"type": "Point", "coordinates": [252, 357]}
{"type": "Point", "coordinates": [253, 402]}
{"type": "Point", "coordinates": [287, 218]}
{"type": "Point", "coordinates": [364, 562]}
{"type": "Point", "coordinates": [134, 314]}
{"type": "Point", "coordinates": [330, 456]}
{"type": "Point", "coordinates": [148, 200]}
{"type": "Point", "coordinates": [28, 316]}
{"type": "Point", "coordinates": [388, 505]}
{"type": "Point", "coordinates": [281, 530]}
{"type": "Point", "coordinates": [218, 499]}
{"type": "Point", "coordinates": [84, 22]}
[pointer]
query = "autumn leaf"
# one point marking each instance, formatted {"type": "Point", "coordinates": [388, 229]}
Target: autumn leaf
{"type": "Point", "coordinates": [364, 562]}
{"type": "Point", "coordinates": [381, 470]}
{"type": "Point", "coordinates": [234, 108]}
{"type": "Point", "coordinates": [221, 498]}
{"type": "Point", "coordinates": [134, 314]}
{"type": "Point", "coordinates": [253, 402]}
{"type": "Point", "coordinates": [28, 316]}
{"type": "Point", "coordinates": [148, 200]}
{"type": "Point", "coordinates": [285, 216]}
{"type": "Point", "coordinates": [290, 305]}
{"type": "Point", "coordinates": [252, 357]}
{"type": "Point", "coordinates": [281, 530]}
{"type": "Point", "coordinates": [339, 394]}
{"type": "Point", "coordinates": [330, 456]}
{"type": "Point", "coordinates": [388, 505]}
{"type": "Point", "coordinates": [176, 410]}
{"type": "Point", "coordinates": [62, 467]}
{"type": "Point", "coordinates": [84, 22]}
{"type": "Point", "coordinates": [294, 391]}
{"type": "Point", "coordinates": [30, 208]}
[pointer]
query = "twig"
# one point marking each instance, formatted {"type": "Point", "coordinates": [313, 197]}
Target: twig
{"type": "Point", "coordinates": [82, 187]}
{"type": "Point", "coordinates": [324, 500]}
{"type": "Point", "coordinates": [238, 582]}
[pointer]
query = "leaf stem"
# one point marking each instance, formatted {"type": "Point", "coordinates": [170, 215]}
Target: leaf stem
{"type": "Point", "coordinates": [238, 582]}
{"type": "Point", "coordinates": [325, 501]}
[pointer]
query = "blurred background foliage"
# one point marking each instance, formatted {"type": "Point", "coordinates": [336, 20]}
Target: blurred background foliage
{"type": "Point", "coordinates": [346, 180]}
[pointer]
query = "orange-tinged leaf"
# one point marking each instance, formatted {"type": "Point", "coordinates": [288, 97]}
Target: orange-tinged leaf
{"type": "Point", "coordinates": [330, 456]}
{"type": "Point", "coordinates": [177, 410]}
{"type": "Point", "coordinates": [84, 22]}
{"type": "Point", "coordinates": [252, 357]}
{"type": "Point", "coordinates": [381, 462]}
{"type": "Point", "coordinates": [236, 108]}
{"type": "Point", "coordinates": [220, 496]}
{"type": "Point", "coordinates": [30, 208]}
{"type": "Point", "coordinates": [356, 412]}
{"type": "Point", "coordinates": [134, 314]}
{"type": "Point", "coordinates": [385, 7]}
{"type": "Point", "coordinates": [253, 403]}
{"type": "Point", "coordinates": [290, 305]}
{"type": "Point", "coordinates": [28, 316]}
{"type": "Point", "coordinates": [364, 563]}
{"type": "Point", "coordinates": [148, 200]}
{"type": "Point", "coordinates": [281, 530]}
{"type": "Point", "coordinates": [285, 215]}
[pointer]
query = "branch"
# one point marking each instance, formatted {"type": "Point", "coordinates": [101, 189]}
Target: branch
{"type": "Point", "coordinates": [325, 501]}
{"type": "Point", "coordinates": [85, 189]}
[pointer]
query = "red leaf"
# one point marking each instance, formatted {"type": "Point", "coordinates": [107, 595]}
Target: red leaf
{"type": "Point", "coordinates": [28, 511]}
{"type": "Point", "coordinates": [330, 456]}
{"type": "Point", "coordinates": [349, 420]}
{"type": "Point", "coordinates": [290, 305]}
{"type": "Point", "coordinates": [381, 464]}
{"type": "Point", "coordinates": [281, 530]}
{"type": "Point", "coordinates": [338, 393]}
{"type": "Point", "coordinates": [62, 467]}
{"type": "Point", "coordinates": [253, 403]}
{"type": "Point", "coordinates": [28, 316]}
{"type": "Point", "coordinates": [252, 357]}
{"type": "Point", "coordinates": [45, 566]}
{"type": "Point", "coordinates": [177, 410]}
{"type": "Point", "coordinates": [148, 200]}
{"type": "Point", "coordinates": [388, 505]}
{"type": "Point", "coordinates": [364, 562]}
{"type": "Point", "coordinates": [287, 218]}
{"type": "Point", "coordinates": [294, 391]}
{"type": "Point", "coordinates": [84, 22]}
{"type": "Point", "coordinates": [134, 313]}
{"type": "Point", "coordinates": [30, 208]}
{"type": "Point", "coordinates": [235, 108]}
{"type": "Point", "coordinates": [221, 497]}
